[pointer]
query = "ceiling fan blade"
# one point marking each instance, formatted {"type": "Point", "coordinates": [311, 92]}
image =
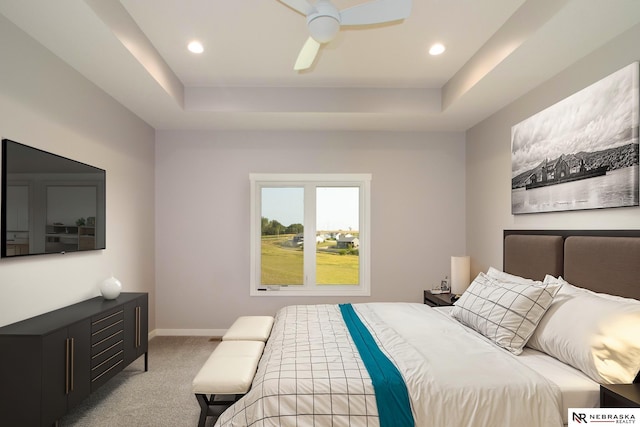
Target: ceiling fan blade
{"type": "Point", "coordinates": [307, 55]}
{"type": "Point", "coordinates": [376, 12]}
{"type": "Point", "coordinates": [302, 6]}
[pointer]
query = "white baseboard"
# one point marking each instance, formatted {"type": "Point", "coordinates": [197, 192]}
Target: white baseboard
{"type": "Point", "coordinates": [189, 332]}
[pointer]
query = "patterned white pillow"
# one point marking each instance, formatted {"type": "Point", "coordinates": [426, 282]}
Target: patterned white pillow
{"type": "Point", "coordinates": [505, 312]}
{"type": "Point", "coordinates": [502, 276]}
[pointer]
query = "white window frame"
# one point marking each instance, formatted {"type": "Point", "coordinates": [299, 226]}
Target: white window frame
{"type": "Point", "coordinates": [309, 181]}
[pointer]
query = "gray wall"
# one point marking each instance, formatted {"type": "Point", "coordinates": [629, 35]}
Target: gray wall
{"type": "Point", "coordinates": [202, 215]}
{"type": "Point", "coordinates": [489, 160]}
{"type": "Point", "coordinates": [46, 104]}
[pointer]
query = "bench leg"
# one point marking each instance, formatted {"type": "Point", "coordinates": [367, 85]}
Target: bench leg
{"type": "Point", "coordinates": [207, 402]}
{"type": "Point", "coordinates": [203, 401]}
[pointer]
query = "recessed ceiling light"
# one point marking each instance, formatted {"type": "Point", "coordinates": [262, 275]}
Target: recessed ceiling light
{"type": "Point", "coordinates": [195, 47]}
{"type": "Point", "coordinates": [436, 49]}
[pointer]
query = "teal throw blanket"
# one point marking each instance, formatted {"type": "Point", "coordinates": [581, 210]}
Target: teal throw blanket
{"type": "Point", "coordinates": [392, 398]}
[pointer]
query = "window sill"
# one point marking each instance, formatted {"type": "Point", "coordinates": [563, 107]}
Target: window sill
{"type": "Point", "coordinates": [284, 292]}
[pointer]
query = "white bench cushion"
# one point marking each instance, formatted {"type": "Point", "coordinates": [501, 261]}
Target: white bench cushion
{"type": "Point", "coordinates": [250, 328]}
{"type": "Point", "coordinates": [230, 368]}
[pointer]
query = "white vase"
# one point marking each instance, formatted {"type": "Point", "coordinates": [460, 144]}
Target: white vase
{"type": "Point", "coordinates": [110, 288]}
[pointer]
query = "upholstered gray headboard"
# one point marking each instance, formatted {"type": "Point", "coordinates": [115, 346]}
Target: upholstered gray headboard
{"type": "Point", "coordinates": [533, 256]}
{"type": "Point", "coordinates": [601, 260]}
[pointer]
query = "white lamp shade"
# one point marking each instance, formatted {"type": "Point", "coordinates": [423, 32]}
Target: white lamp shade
{"type": "Point", "coordinates": [460, 274]}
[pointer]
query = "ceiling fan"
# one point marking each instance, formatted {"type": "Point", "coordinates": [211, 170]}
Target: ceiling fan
{"type": "Point", "coordinates": [324, 21]}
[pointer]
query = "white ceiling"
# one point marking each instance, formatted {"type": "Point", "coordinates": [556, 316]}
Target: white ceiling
{"type": "Point", "coordinates": [378, 78]}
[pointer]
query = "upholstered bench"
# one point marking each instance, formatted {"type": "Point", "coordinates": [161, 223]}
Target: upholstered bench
{"type": "Point", "coordinates": [249, 328]}
{"type": "Point", "coordinates": [228, 371]}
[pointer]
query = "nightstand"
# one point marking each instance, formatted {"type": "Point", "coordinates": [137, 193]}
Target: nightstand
{"type": "Point", "coordinates": [620, 395]}
{"type": "Point", "coordinates": [437, 300]}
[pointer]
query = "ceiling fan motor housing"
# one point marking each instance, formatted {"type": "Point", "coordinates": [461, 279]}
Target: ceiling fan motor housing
{"type": "Point", "coordinates": [323, 22]}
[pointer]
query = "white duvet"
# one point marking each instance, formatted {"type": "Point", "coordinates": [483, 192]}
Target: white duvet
{"type": "Point", "coordinates": [311, 374]}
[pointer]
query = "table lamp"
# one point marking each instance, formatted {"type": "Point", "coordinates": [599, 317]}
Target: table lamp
{"type": "Point", "coordinates": [460, 274]}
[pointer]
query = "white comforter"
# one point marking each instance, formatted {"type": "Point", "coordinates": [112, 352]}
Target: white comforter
{"type": "Point", "coordinates": [311, 373]}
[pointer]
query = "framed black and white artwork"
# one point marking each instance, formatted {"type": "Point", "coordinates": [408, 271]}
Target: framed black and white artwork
{"type": "Point", "coordinates": [580, 153]}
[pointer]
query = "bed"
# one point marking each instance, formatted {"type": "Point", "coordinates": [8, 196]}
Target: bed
{"type": "Point", "coordinates": [458, 366]}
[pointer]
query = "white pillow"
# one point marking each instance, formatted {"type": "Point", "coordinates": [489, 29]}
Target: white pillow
{"type": "Point", "coordinates": [505, 312]}
{"type": "Point", "coordinates": [598, 335]}
{"type": "Point", "coordinates": [501, 276]}
{"type": "Point", "coordinates": [569, 288]}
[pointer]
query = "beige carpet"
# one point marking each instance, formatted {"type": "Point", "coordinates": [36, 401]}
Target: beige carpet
{"type": "Point", "coordinates": [160, 397]}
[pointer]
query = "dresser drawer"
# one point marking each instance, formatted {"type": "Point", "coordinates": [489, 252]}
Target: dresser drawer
{"type": "Point", "coordinates": [107, 345]}
{"type": "Point", "coordinates": [106, 324]}
{"type": "Point", "coordinates": [99, 357]}
{"type": "Point", "coordinates": [106, 342]}
{"type": "Point", "coordinates": [110, 361]}
{"type": "Point", "coordinates": [101, 373]}
{"type": "Point", "coordinates": [98, 321]}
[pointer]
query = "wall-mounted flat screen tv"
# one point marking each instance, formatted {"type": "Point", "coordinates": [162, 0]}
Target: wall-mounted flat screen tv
{"type": "Point", "coordinates": [50, 204]}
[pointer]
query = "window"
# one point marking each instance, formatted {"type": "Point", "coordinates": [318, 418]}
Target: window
{"type": "Point", "coordinates": [310, 234]}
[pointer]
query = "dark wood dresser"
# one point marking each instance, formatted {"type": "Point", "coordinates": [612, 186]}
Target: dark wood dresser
{"type": "Point", "coordinates": [51, 362]}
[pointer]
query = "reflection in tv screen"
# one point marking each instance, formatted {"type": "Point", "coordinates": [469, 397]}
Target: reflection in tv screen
{"type": "Point", "coordinates": [50, 204]}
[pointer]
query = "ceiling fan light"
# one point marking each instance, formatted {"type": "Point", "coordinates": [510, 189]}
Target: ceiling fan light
{"type": "Point", "coordinates": [323, 28]}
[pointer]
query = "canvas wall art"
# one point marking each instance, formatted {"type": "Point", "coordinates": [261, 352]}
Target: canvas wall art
{"type": "Point", "coordinates": [580, 153]}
